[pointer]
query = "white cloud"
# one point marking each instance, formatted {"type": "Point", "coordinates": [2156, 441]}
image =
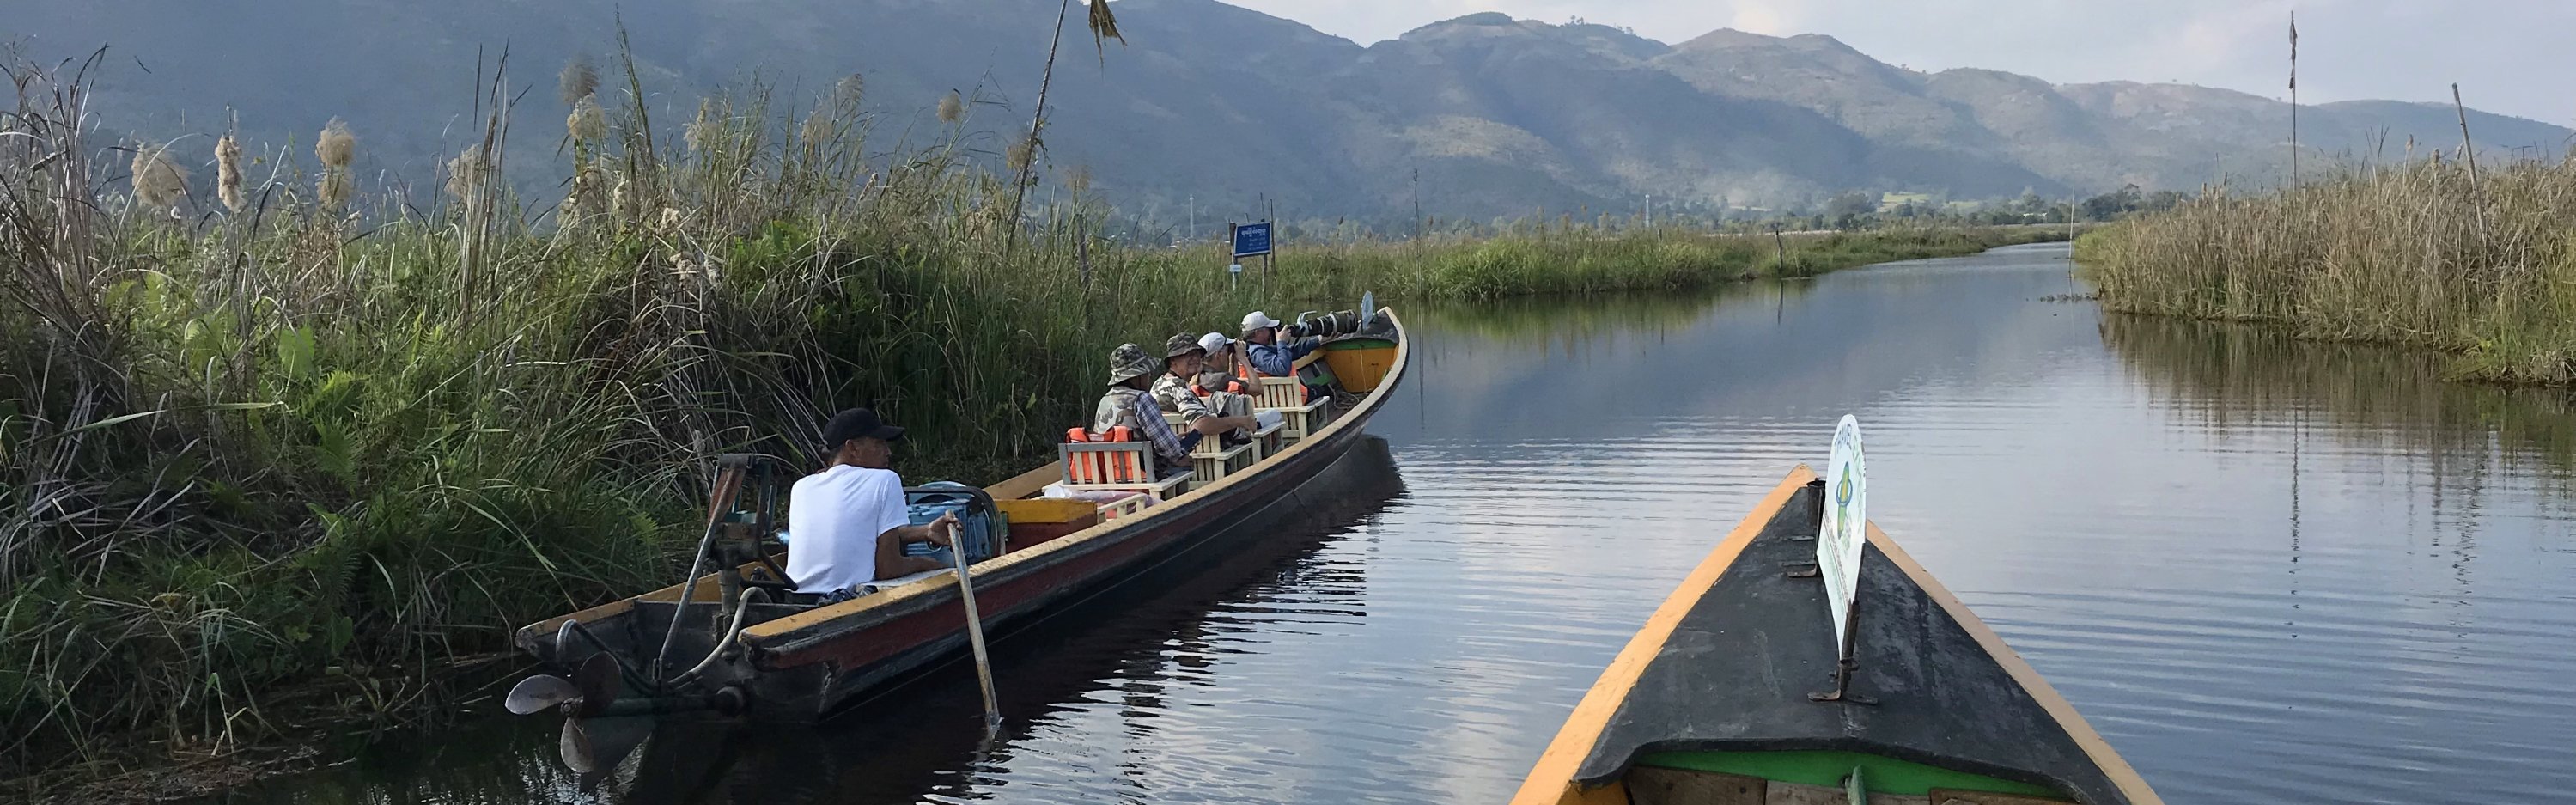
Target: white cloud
{"type": "Point", "coordinates": [2508, 55]}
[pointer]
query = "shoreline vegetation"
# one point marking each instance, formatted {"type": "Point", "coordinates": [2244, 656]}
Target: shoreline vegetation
{"type": "Point", "coordinates": [277, 449]}
{"type": "Point", "coordinates": [2478, 261]}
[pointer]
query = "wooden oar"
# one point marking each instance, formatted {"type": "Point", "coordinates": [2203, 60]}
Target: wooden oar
{"type": "Point", "coordinates": [975, 632]}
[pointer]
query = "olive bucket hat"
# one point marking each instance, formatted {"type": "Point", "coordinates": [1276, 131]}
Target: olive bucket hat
{"type": "Point", "coordinates": [1129, 361]}
{"type": "Point", "coordinates": [1180, 345]}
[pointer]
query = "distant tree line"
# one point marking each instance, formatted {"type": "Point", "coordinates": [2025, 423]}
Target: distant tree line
{"type": "Point", "coordinates": [1850, 210]}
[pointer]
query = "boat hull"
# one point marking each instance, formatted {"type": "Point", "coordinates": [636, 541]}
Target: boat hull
{"type": "Point", "coordinates": [1716, 690]}
{"type": "Point", "coordinates": [798, 665]}
{"type": "Point", "coordinates": [850, 659]}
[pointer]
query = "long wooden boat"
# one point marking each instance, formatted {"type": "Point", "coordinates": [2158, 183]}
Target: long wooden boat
{"type": "Point", "coordinates": [802, 662]}
{"type": "Point", "coordinates": [1711, 701]}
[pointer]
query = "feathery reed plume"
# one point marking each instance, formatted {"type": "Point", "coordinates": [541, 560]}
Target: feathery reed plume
{"type": "Point", "coordinates": [1104, 26]}
{"type": "Point", "coordinates": [587, 123]}
{"type": "Point", "coordinates": [465, 173]}
{"type": "Point", "coordinates": [951, 108]}
{"type": "Point", "coordinates": [1017, 158]}
{"type": "Point", "coordinates": [579, 80]}
{"type": "Point", "coordinates": [228, 174]}
{"type": "Point", "coordinates": [588, 126]}
{"type": "Point", "coordinates": [158, 182]}
{"type": "Point", "coordinates": [336, 148]}
{"type": "Point", "coordinates": [1078, 180]}
{"type": "Point", "coordinates": [849, 88]}
{"type": "Point", "coordinates": [333, 189]}
{"type": "Point", "coordinates": [817, 128]}
{"type": "Point", "coordinates": [701, 131]}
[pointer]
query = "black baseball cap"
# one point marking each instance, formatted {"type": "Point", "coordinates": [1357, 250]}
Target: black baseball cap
{"type": "Point", "coordinates": [856, 423]}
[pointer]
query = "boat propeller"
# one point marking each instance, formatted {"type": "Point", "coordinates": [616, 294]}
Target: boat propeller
{"type": "Point", "coordinates": [585, 697]}
{"type": "Point", "coordinates": [600, 728]}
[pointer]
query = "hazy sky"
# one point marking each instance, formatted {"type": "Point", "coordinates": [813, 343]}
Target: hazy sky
{"type": "Point", "coordinates": [2517, 57]}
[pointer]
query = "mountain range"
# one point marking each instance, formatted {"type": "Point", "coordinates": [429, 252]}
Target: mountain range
{"type": "Point", "coordinates": [1222, 111]}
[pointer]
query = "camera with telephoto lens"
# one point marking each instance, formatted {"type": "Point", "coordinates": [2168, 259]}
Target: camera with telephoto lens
{"type": "Point", "coordinates": [1328, 325]}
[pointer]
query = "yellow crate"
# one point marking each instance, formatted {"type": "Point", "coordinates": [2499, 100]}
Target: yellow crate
{"type": "Point", "coordinates": [1047, 510]}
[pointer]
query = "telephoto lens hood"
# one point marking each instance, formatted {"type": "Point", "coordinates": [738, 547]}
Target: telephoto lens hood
{"type": "Point", "coordinates": [1329, 325]}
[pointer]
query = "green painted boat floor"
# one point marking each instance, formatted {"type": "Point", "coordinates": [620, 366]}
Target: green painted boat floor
{"type": "Point", "coordinates": [1829, 767]}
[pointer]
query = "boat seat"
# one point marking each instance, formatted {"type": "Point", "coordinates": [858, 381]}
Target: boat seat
{"type": "Point", "coordinates": [1298, 416]}
{"type": "Point", "coordinates": [1300, 422]}
{"type": "Point", "coordinates": [1267, 441]}
{"type": "Point", "coordinates": [1212, 460]}
{"type": "Point", "coordinates": [1281, 392]}
{"type": "Point", "coordinates": [1117, 466]}
{"type": "Point", "coordinates": [1122, 507]}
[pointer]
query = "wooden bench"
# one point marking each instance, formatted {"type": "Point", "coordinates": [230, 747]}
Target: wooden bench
{"type": "Point", "coordinates": [1298, 417]}
{"type": "Point", "coordinates": [1122, 507]}
{"type": "Point", "coordinates": [1116, 467]}
{"type": "Point", "coordinates": [1212, 460]}
{"type": "Point", "coordinates": [1267, 442]}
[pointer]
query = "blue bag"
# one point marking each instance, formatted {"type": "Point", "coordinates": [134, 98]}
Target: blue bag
{"type": "Point", "coordinates": [980, 526]}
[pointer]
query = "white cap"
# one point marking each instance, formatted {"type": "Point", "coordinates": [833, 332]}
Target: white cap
{"type": "Point", "coordinates": [1256, 320]}
{"type": "Point", "coordinates": [1214, 342]}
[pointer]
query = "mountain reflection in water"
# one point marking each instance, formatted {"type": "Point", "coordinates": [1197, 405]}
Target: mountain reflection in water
{"type": "Point", "coordinates": [2265, 570]}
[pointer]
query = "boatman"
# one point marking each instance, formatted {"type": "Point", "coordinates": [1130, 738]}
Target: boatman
{"type": "Point", "coordinates": [1129, 405]}
{"type": "Point", "coordinates": [1219, 413]}
{"type": "Point", "coordinates": [849, 523]}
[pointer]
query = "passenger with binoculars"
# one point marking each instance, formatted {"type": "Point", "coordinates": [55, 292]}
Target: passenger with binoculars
{"type": "Point", "coordinates": [1207, 412]}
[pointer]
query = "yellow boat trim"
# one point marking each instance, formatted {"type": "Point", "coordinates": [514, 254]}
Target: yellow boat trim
{"type": "Point", "coordinates": [1551, 782]}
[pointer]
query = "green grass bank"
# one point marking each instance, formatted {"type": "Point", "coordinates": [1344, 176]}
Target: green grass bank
{"type": "Point", "coordinates": [276, 449]}
{"type": "Point", "coordinates": [2434, 254]}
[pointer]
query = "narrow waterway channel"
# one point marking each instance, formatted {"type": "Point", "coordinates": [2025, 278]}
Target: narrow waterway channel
{"type": "Point", "coordinates": [2266, 571]}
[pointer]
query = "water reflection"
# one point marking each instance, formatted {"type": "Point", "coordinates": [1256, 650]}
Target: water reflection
{"type": "Point", "coordinates": [2231, 377]}
{"type": "Point", "coordinates": [2265, 570]}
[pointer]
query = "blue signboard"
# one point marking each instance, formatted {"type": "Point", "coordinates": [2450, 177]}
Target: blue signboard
{"type": "Point", "coordinates": [1251, 239]}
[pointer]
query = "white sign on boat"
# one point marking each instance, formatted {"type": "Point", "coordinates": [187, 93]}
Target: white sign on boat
{"type": "Point", "coordinates": [1845, 530]}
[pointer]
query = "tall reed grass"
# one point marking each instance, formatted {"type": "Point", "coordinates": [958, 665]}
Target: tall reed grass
{"type": "Point", "coordinates": [290, 447]}
{"type": "Point", "coordinates": [1556, 261]}
{"type": "Point", "coordinates": [2430, 253]}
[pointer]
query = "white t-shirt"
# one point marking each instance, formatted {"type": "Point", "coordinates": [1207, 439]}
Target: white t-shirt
{"type": "Point", "coordinates": [835, 517]}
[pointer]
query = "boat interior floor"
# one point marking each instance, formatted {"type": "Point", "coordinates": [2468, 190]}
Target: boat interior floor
{"type": "Point", "coordinates": [1813, 778]}
{"type": "Point", "coordinates": [1735, 675]}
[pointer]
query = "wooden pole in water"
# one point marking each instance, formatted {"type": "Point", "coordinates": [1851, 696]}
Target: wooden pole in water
{"type": "Point", "coordinates": [2469, 156]}
{"type": "Point", "coordinates": [975, 632]}
{"type": "Point", "coordinates": [2294, 100]}
{"type": "Point", "coordinates": [1417, 203]}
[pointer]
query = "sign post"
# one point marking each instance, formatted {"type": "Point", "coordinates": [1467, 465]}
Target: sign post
{"type": "Point", "coordinates": [1251, 240]}
{"type": "Point", "coordinates": [1840, 538]}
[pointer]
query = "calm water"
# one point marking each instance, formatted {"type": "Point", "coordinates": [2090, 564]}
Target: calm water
{"type": "Point", "coordinates": [2265, 571]}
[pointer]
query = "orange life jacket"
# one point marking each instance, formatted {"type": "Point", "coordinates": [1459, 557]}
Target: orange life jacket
{"type": "Point", "coordinates": [1231, 385]}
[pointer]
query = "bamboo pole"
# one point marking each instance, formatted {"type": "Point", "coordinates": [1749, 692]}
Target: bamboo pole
{"type": "Point", "coordinates": [975, 632]}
